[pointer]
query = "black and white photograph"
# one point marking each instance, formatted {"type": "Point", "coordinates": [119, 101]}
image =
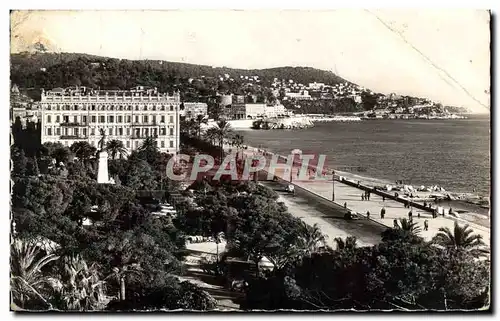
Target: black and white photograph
{"type": "Point", "coordinates": [250, 160]}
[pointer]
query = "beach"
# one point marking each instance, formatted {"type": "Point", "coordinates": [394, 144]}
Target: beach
{"type": "Point", "coordinates": [319, 193]}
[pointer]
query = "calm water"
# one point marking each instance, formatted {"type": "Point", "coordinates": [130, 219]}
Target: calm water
{"type": "Point", "coordinates": [454, 154]}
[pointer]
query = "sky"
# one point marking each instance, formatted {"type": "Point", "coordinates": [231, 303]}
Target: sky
{"type": "Point", "coordinates": [443, 55]}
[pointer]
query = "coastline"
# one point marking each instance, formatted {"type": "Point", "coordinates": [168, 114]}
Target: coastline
{"type": "Point", "coordinates": [462, 210]}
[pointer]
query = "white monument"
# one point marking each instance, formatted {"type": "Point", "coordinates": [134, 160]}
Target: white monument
{"type": "Point", "coordinates": [102, 169]}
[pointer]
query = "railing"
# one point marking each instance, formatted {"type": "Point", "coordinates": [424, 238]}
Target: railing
{"type": "Point", "coordinates": [145, 124]}
{"type": "Point", "coordinates": [142, 136]}
{"type": "Point", "coordinates": [73, 124]}
{"type": "Point", "coordinates": [73, 137]}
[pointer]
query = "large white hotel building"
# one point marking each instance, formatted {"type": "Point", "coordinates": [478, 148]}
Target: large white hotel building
{"type": "Point", "coordinates": [78, 113]}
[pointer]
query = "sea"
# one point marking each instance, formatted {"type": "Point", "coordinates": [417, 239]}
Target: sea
{"type": "Point", "coordinates": [452, 153]}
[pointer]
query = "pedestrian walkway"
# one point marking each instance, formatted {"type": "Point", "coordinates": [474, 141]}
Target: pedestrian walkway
{"type": "Point", "coordinates": [351, 196]}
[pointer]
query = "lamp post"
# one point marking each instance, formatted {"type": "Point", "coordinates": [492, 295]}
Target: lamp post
{"type": "Point", "coordinates": [333, 185]}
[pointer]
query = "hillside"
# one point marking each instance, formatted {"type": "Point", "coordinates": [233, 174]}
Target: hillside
{"type": "Point", "coordinates": [49, 70]}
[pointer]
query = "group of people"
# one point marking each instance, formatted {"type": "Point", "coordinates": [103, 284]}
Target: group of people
{"type": "Point", "coordinates": [366, 196]}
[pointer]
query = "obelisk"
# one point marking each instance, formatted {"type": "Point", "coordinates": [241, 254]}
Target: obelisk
{"type": "Point", "coordinates": [102, 169]}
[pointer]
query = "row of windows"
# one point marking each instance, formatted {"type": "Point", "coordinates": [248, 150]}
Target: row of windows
{"type": "Point", "coordinates": [128, 144]}
{"type": "Point", "coordinates": [120, 131]}
{"type": "Point", "coordinates": [144, 119]}
{"type": "Point", "coordinates": [110, 107]}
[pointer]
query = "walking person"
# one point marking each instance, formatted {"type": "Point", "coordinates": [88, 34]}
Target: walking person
{"type": "Point", "coordinates": [382, 213]}
{"type": "Point", "coordinates": [418, 214]}
{"type": "Point", "coordinates": [410, 215]}
{"type": "Point", "coordinates": [345, 204]}
{"type": "Point", "coordinates": [426, 225]}
{"type": "Point", "coordinates": [368, 195]}
{"type": "Point", "coordinates": [362, 197]}
{"type": "Point", "coordinates": [396, 223]}
{"type": "Point", "coordinates": [368, 215]}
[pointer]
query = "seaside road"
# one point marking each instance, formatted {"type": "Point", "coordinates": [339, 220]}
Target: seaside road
{"type": "Point", "coordinates": [394, 210]}
{"type": "Point", "coordinates": [330, 220]}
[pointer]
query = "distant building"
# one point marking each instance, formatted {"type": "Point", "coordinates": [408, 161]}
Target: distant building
{"type": "Point", "coordinates": [253, 111]}
{"type": "Point", "coordinates": [316, 85]}
{"type": "Point", "coordinates": [302, 95]}
{"type": "Point", "coordinates": [192, 110]}
{"type": "Point", "coordinates": [77, 114]}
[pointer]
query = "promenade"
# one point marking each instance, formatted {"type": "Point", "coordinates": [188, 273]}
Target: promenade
{"type": "Point", "coordinates": [394, 209]}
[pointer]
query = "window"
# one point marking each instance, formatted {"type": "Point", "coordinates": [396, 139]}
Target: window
{"type": "Point", "coordinates": [171, 120]}
{"type": "Point", "coordinates": [163, 107]}
{"type": "Point", "coordinates": [163, 131]}
{"type": "Point", "coordinates": [102, 119]}
{"type": "Point", "coordinates": [162, 144]}
{"type": "Point", "coordinates": [58, 119]}
{"type": "Point", "coordinates": [120, 131]}
{"type": "Point", "coordinates": [66, 119]}
{"type": "Point", "coordinates": [119, 119]}
{"type": "Point", "coordinates": [58, 131]}
{"type": "Point", "coordinates": [154, 118]}
{"type": "Point", "coordinates": [93, 119]}
{"type": "Point", "coordinates": [154, 132]}
{"type": "Point", "coordinates": [171, 108]}
{"type": "Point", "coordinates": [171, 143]}
{"type": "Point", "coordinates": [136, 144]}
{"type": "Point", "coordinates": [146, 132]}
{"type": "Point", "coordinates": [111, 132]}
{"type": "Point", "coordinates": [112, 107]}
{"type": "Point", "coordinates": [136, 107]}
{"type": "Point", "coordinates": [137, 119]}
{"type": "Point", "coordinates": [128, 143]}
{"type": "Point", "coordinates": [76, 131]}
{"type": "Point", "coordinates": [145, 119]}
{"type": "Point", "coordinates": [49, 119]}
{"type": "Point", "coordinates": [171, 131]}
{"type": "Point", "coordinates": [93, 107]}
{"type": "Point", "coordinates": [75, 119]}
{"type": "Point", "coordinates": [162, 120]}
{"type": "Point", "coordinates": [84, 131]}
{"type": "Point", "coordinates": [66, 131]}
{"type": "Point", "coordinates": [49, 131]}
{"type": "Point", "coordinates": [129, 119]}
{"type": "Point", "coordinates": [92, 131]}
{"type": "Point", "coordinates": [84, 119]}
{"type": "Point", "coordinates": [128, 131]}
{"type": "Point", "coordinates": [75, 107]}
{"type": "Point", "coordinates": [111, 119]}
{"type": "Point", "coordinates": [57, 107]}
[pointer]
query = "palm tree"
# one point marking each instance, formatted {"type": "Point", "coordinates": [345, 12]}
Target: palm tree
{"type": "Point", "coordinates": [61, 155]}
{"type": "Point", "coordinates": [461, 239]}
{"type": "Point", "coordinates": [310, 238]}
{"type": "Point", "coordinates": [211, 135]}
{"type": "Point", "coordinates": [409, 226]}
{"type": "Point", "coordinates": [237, 141]}
{"type": "Point", "coordinates": [83, 150]}
{"type": "Point", "coordinates": [223, 131]}
{"type": "Point", "coordinates": [27, 280]}
{"type": "Point", "coordinates": [116, 147]}
{"type": "Point", "coordinates": [79, 286]}
{"type": "Point", "coordinates": [348, 244]}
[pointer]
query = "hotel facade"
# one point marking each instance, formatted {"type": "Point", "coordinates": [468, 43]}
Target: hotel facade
{"type": "Point", "coordinates": [77, 114]}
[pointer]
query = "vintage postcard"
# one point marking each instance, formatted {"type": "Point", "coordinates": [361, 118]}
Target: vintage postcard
{"type": "Point", "coordinates": [271, 160]}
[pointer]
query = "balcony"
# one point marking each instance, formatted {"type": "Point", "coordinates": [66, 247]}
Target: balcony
{"type": "Point", "coordinates": [142, 136]}
{"type": "Point", "coordinates": [153, 123]}
{"type": "Point", "coordinates": [73, 124]}
{"type": "Point", "coordinates": [73, 137]}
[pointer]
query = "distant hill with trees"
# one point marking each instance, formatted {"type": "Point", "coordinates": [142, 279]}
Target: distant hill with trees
{"type": "Point", "coordinates": [50, 70]}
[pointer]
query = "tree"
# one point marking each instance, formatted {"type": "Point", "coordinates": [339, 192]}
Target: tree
{"type": "Point", "coordinates": [348, 244]}
{"type": "Point", "coordinates": [200, 119]}
{"type": "Point", "coordinates": [310, 238]}
{"type": "Point", "coordinates": [140, 176]}
{"type": "Point", "coordinates": [461, 239]}
{"type": "Point", "coordinates": [27, 280]}
{"type": "Point", "coordinates": [222, 132]}
{"type": "Point", "coordinates": [83, 150]}
{"type": "Point", "coordinates": [115, 147]}
{"type": "Point", "coordinates": [19, 161]}
{"type": "Point", "coordinates": [148, 150]}
{"type": "Point", "coordinates": [409, 226]}
{"type": "Point", "coordinates": [78, 286]}
{"type": "Point", "coordinates": [237, 141]}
